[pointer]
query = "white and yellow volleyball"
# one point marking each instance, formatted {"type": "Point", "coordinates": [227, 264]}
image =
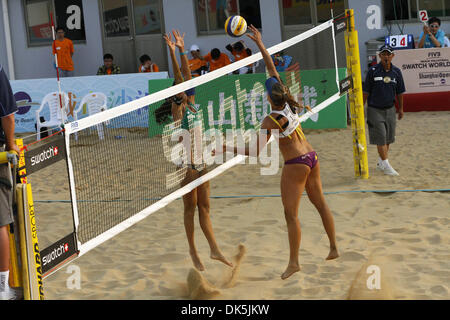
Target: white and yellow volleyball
{"type": "Point", "coordinates": [235, 26]}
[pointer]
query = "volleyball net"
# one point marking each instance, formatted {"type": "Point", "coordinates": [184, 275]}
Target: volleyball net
{"type": "Point", "coordinates": [127, 162]}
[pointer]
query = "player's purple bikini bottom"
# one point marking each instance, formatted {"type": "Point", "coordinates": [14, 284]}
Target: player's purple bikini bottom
{"type": "Point", "coordinates": [310, 159]}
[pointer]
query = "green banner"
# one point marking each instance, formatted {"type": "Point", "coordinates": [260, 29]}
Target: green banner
{"type": "Point", "coordinates": [234, 101]}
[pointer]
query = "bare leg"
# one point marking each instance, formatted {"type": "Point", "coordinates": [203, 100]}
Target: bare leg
{"type": "Point", "coordinates": [4, 249]}
{"type": "Point", "coordinates": [315, 194]}
{"type": "Point", "coordinates": [206, 225]}
{"type": "Point", "coordinates": [383, 151]}
{"type": "Point", "coordinates": [190, 202]}
{"type": "Point", "coordinates": [293, 181]}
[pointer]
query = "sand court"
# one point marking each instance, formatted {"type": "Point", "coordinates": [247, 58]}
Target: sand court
{"type": "Point", "coordinates": [405, 234]}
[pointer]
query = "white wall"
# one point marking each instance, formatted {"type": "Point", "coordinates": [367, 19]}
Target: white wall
{"type": "Point", "coordinates": [37, 62]}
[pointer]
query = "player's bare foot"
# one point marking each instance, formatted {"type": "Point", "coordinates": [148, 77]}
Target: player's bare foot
{"type": "Point", "coordinates": [333, 254]}
{"type": "Point", "coordinates": [197, 262]}
{"type": "Point", "coordinates": [290, 270]}
{"type": "Point", "coordinates": [218, 256]}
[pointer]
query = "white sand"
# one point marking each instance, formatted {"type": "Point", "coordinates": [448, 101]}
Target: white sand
{"type": "Point", "coordinates": [407, 235]}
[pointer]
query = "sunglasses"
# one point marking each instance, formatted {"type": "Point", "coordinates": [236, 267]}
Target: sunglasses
{"type": "Point", "coordinates": [434, 26]}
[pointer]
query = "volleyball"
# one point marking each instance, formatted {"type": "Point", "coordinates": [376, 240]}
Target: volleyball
{"type": "Point", "coordinates": [235, 26]}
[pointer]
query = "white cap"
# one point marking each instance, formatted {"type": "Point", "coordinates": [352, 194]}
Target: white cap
{"type": "Point", "coordinates": [194, 47]}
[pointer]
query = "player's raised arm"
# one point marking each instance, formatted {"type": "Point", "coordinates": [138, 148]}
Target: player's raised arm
{"type": "Point", "coordinates": [179, 42]}
{"type": "Point", "coordinates": [256, 37]}
{"type": "Point", "coordinates": [176, 68]}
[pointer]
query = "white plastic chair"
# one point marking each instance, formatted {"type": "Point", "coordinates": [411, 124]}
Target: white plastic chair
{"type": "Point", "coordinates": [57, 115]}
{"type": "Point", "coordinates": [95, 103]}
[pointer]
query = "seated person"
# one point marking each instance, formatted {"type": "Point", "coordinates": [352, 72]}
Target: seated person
{"type": "Point", "coordinates": [239, 52]}
{"type": "Point", "coordinates": [281, 61]}
{"type": "Point", "coordinates": [216, 59]}
{"type": "Point", "coordinates": [147, 65]}
{"type": "Point", "coordinates": [197, 64]}
{"type": "Point", "coordinates": [108, 66]}
{"type": "Point", "coordinates": [432, 36]}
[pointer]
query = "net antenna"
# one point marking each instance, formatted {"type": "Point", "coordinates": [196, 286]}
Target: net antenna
{"type": "Point", "coordinates": [334, 44]}
{"type": "Point", "coordinates": [102, 199]}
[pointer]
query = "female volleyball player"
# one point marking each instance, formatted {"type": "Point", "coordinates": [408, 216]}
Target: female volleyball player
{"type": "Point", "coordinates": [183, 109]}
{"type": "Point", "coordinates": [301, 169]}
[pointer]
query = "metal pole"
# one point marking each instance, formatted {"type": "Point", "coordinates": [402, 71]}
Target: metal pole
{"type": "Point", "coordinates": [9, 52]}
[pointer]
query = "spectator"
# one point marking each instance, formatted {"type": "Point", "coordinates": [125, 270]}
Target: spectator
{"type": "Point", "coordinates": [432, 36]}
{"type": "Point", "coordinates": [446, 42]}
{"type": "Point", "coordinates": [7, 143]}
{"type": "Point", "coordinates": [217, 59]}
{"type": "Point", "coordinates": [239, 52]}
{"type": "Point", "coordinates": [63, 48]}
{"type": "Point", "coordinates": [147, 65]}
{"type": "Point", "coordinates": [197, 64]}
{"type": "Point", "coordinates": [108, 66]}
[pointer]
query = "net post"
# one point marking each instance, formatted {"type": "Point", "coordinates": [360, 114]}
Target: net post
{"type": "Point", "coordinates": [356, 98]}
{"type": "Point", "coordinates": [30, 258]}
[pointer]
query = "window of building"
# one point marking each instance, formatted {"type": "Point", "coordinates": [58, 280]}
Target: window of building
{"type": "Point", "coordinates": [296, 12]}
{"type": "Point", "coordinates": [38, 21]}
{"type": "Point", "coordinates": [147, 17]}
{"type": "Point", "coordinates": [324, 11]}
{"type": "Point", "coordinates": [398, 10]}
{"type": "Point", "coordinates": [67, 14]}
{"type": "Point", "coordinates": [212, 14]}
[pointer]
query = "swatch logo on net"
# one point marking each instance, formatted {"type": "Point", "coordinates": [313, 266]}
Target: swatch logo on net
{"type": "Point", "coordinates": [56, 253]}
{"type": "Point", "coordinates": [44, 155]}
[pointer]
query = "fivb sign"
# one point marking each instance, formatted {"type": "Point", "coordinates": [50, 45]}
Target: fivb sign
{"type": "Point", "coordinates": [69, 15]}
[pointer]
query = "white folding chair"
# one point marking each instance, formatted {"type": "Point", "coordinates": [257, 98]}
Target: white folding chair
{"type": "Point", "coordinates": [57, 114]}
{"type": "Point", "coordinates": [95, 102]}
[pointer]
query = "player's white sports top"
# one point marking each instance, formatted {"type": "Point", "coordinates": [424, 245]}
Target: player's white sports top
{"type": "Point", "coordinates": [292, 124]}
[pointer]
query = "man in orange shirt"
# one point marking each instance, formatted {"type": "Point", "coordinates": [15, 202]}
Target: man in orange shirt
{"type": "Point", "coordinates": [147, 65]}
{"type": "Point", "coordinates": [239, 52]}
{"type": "Point", "coordinates": [197, 64]}
{"type": "Point", "coordinates": [216, 59]}
{"type": "Point", "coordinates": [63, 48]}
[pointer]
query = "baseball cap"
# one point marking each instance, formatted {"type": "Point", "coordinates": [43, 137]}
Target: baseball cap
{"type": "Point", "coordinates": [387, 48]}
{"type": "Point", "coordinates": [194, 47]}
{"type": "Point", "coordinates": [269, 84]}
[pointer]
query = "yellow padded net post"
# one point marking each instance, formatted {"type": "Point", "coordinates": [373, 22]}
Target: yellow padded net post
{"type": "Point", "coordinates": [356, 99]}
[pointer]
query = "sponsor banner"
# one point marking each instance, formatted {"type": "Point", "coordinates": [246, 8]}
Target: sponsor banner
{"type": "Point", "coordinates": [58, 253]}
{"type": "Point", "coordinates": [340, 25]}
{"type": "Point", "coordinates": [345, 85]}
{"type": "Point", "coordinates": [225, 108]}
{"type": "Point", "coordinates": [45, 155]}
{"type": "Point", "coordinates": [424, 70]}
{"type": "Point", "coordinates": [118, 89]}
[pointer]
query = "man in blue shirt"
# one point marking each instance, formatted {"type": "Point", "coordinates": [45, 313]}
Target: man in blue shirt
{"type": "Point", "coordinates": [7, 109]}
{"type": "Point", "coordinates": [384, 83]}
{"type": "Point", "coordinates": [432, 36]}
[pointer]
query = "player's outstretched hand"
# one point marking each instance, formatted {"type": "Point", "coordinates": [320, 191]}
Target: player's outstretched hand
{"type": "Point", "coordinates": [169, 42]}
{"type": "Point", "coordinates": [179, 39]}
{"type": "Point", "coordinates": [256, 35]}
